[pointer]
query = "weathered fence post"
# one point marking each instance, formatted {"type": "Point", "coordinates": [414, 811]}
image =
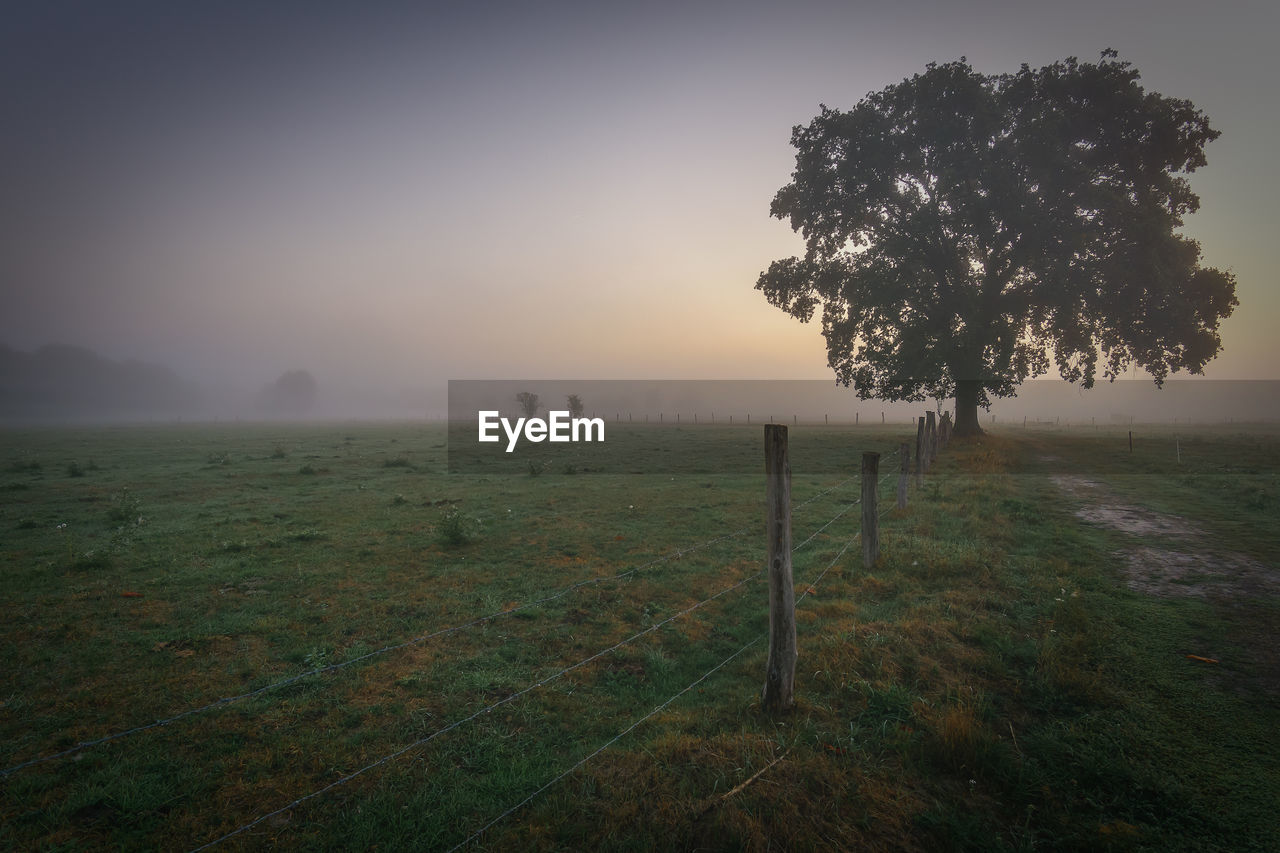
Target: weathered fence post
{"type": "Point", "coordinates": [780, 674]}
{"type": "Point", "coordinates": [920, 454]}
{"type": "Point", "coordinates": [904, 474]}
{"type": "Point", "coordinates": [931, 437]}
{"type": "Point", "coordinates": [870, 518]}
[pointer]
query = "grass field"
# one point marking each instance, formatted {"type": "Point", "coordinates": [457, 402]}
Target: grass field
{"type": "Point", "coordinates": [1001, 679]}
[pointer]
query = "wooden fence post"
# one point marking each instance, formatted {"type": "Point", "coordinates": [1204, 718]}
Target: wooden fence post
{"type": "Point", "coordinates": [931, 437]}
{"type": "Point", "coordinates": [920, 455]}
{"type": "Point", "coordinates": [904, 474]}
{"type": "Point", "coordinates": [780, 674]}
{"type": "Point", "coordinates": [870, 518]}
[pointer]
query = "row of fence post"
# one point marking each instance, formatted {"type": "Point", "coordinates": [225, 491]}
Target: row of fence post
{"type": "Point", "coordinates": [795, 418]}
{"type": "Point", "coordinates": [780, 670]}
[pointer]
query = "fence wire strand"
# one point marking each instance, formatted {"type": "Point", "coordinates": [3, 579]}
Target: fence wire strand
{"type": "Point", "coordinates": [334, 667]}
{"type": "Point", "coordinates": [513, 809]}
{"type": "Point", "coordinates": [513, 696]}
{"type": "Point", "coordinates": [324, 670]}
{"type": "Point", "coordinates": [610, 742]}
{"type": "Point", "coordinates": [485, 710]}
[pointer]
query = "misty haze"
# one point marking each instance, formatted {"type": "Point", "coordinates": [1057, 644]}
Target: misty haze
{"type": "Point", "coordinates": [576, 426]}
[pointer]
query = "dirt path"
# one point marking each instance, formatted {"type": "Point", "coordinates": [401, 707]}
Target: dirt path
{"type": "Point", "coordinates": [1170, 557]}
{"type": "Point", "coordinates": [1180, 565]}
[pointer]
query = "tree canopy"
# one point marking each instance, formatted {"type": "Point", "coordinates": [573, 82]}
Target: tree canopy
{"type": "Point", "coordinates": [965, 231]}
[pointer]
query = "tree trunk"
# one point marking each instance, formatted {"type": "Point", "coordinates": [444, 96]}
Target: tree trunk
{"type": "Point", "coordinates": [967, 391]}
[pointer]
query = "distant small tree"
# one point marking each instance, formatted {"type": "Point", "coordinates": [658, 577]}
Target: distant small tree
{"type": "Point", "coordinates": [575, 405]}
{"type": "Point", "coordinates": [528, 403]}
{"type": "Point", "coordinates": [294, 393]}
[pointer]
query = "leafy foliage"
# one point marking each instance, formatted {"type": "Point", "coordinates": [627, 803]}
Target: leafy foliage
{"type": "Point", "coordinates": [963, 230]}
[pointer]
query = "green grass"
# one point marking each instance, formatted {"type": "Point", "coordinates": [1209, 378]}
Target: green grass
{"type": "Point", "coordinates": [989, 684]}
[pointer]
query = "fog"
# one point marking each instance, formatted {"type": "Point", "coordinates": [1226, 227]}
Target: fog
{"type": "Point", "coordinates": [201, 200]}
{"type": "Point", "coordinates": [70, 384]}
{"type": "Point", "coordinates": [809, 402]}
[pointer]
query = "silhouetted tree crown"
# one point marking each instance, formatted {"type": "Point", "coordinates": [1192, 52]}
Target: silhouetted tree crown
{"type": "Point", "coordinates": [963, 231]}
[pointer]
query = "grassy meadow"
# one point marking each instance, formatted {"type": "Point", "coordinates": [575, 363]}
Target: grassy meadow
{"type": "Point", "coordinates": [353, 649]}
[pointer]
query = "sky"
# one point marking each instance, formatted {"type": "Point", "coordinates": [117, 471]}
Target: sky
{"type": "Point", "coordinates": [391, 195]}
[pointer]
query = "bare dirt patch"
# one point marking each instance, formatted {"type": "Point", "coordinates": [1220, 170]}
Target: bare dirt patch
{"type": "Point", "coordinates": [1189, 571]}
{"type": "Point", "coordinates": [1101, 508]}
{"type": "Point", "coordinates": [1232, 582]}
{"type": "Point", "coordinates": [1159, 571]}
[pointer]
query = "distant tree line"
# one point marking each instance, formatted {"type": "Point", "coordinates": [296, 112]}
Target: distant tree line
{"type": "Point", "coordinates": [58, 381]}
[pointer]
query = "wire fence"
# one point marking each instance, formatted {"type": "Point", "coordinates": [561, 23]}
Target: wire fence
{"type": "Point", "coordinates": [548, 679]}
{"type": "Point", "coordinates": [543, 681]}
{"type": "Point", "coordinates": [808, 587]}
{"type": "Point", "coordinates": [393, 647]}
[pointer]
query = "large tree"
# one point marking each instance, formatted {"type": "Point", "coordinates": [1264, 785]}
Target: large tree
{"type": "Point", "coordinates": [963, 231]}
